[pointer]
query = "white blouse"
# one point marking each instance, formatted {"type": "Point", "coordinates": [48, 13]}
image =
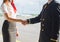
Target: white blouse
{"type": "Point", "coordinates": [9, 10]}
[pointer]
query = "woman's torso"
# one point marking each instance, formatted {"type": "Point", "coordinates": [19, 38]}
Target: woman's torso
{"type": "Point", "coordinates": [10, 10]}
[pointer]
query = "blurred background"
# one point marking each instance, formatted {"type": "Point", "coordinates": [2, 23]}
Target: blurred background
{"type": "Point", "coordinates": [26, 9]}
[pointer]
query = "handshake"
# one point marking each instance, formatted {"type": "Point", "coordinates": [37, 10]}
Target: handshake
{"type": "Point", "coordinates": [24, 22]}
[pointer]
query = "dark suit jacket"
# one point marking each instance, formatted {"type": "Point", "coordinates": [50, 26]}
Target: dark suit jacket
{"type": "Point", "coordinates": [49, 18]}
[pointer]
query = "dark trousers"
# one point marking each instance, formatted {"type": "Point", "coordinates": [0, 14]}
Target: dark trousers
{"type": "Point", "coordinates": [5, 31]}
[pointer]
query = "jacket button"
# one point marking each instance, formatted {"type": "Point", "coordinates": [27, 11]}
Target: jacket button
{"type": "Point", "coordinates": [42, 29]}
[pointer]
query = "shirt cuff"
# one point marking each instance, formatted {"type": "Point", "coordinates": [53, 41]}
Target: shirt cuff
{"type": "Point", "coordinates": [28, 20]}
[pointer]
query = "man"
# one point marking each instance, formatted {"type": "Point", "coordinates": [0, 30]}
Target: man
{"type": "Point", "coordinates": [49, 18]}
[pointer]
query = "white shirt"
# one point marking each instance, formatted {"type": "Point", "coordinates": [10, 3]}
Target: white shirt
{"type": "Point", "coordinates": [9, 10]}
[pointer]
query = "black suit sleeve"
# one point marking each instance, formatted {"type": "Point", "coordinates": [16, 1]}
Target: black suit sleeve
{"type": "Point", "coordinates": [34, 20]}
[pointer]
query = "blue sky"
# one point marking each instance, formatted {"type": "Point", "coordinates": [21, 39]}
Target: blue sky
{"type": "Point", "coordinates": [29, 6]}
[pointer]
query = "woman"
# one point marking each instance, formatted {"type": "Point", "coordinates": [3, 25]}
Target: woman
{"type": "Point", "coordinates": [9, 26]}
{"type": "Point", "coordinates": [15, 10]}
